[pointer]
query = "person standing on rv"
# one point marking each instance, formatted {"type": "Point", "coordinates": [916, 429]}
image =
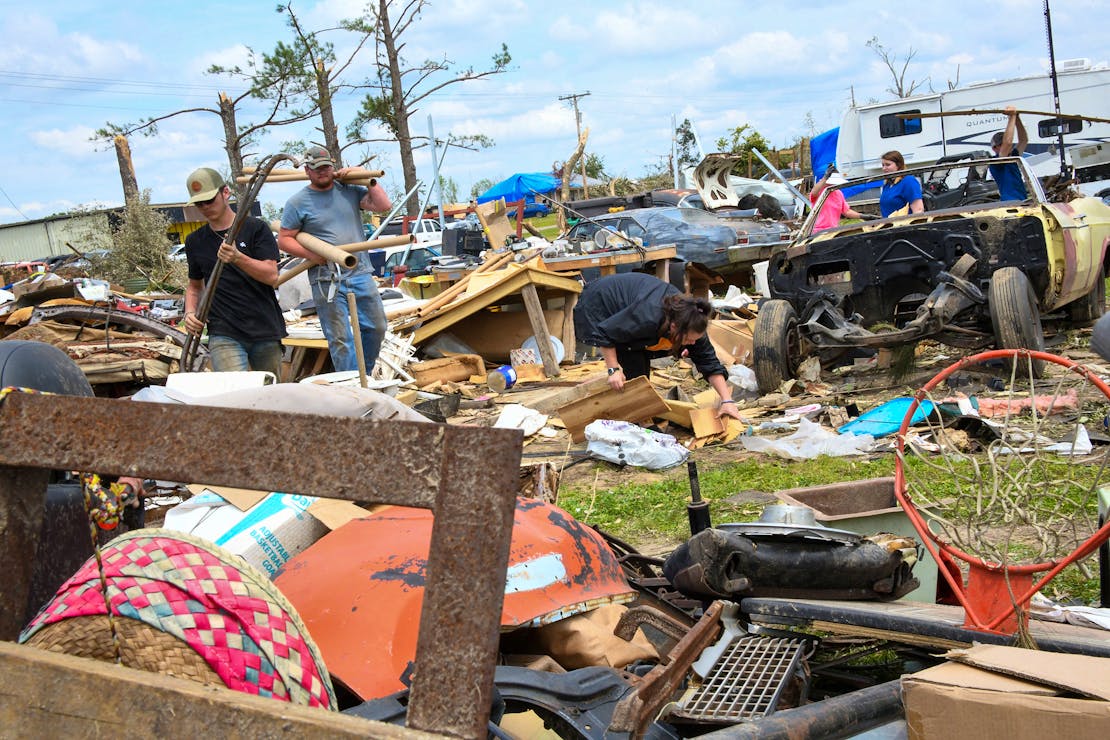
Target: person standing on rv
{"type": "Point", "coordinates": [901, 194]}
{"type": "Point", "coordinates": [835, 204]}
{"type": "Point", "coordinates": [1011, 184]}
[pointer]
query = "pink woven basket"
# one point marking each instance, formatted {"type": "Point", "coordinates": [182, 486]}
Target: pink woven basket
{"type": "Point", "coordinates": [223, 609]}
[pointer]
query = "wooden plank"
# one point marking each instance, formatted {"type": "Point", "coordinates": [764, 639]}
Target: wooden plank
{"type": "Point", "coordinates": [539, 329]}
{"type": "Point", "coordinates": [570, 341]}
{"type": "Point", "coordinates": [494, 220]}
{"type": "Point", "coordinates": [706, 423]}
{"type": "Point", "coordinates": [585, 389]}
{"type": "Point", "coordinates": [679, 412]}
{"type": "Point", "coordinates": [636, 402]}
{"type": "Point", "coordinates": [609, 260]}
{"type": "Point", "coordinates": [48, 694]}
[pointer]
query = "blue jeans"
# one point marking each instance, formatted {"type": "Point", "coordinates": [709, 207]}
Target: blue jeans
{"type": "Point", "coordinates": [336, 322]}
{"type": "Point", "coordinates": [228, 354]}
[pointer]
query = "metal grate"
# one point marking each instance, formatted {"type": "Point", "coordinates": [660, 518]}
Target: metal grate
{"type": "Point", "coordinates": [747, 680]}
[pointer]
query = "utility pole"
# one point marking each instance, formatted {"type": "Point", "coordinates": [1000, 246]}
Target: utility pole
{"type": "Point", "coordinates": [578, 126]}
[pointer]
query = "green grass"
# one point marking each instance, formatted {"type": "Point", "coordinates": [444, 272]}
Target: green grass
{"type": "Point", "coordinates": [547, 225]}
{"type": "Point", "coordinates": [653, 512]}
{"type": "Point", "coordinates": [657, 509]}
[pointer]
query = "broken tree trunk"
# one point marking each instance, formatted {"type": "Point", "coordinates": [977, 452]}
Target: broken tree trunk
{"type": "Point", "coordinates": [568, 170]}
{"type": "Point", "coordinates": [126, 169]}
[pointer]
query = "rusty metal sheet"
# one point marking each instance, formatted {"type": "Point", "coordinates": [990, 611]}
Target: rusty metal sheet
{"type": "Point", "coordinates": [360, 587]}
{"type": "Point", "coordinates": [466, 475]}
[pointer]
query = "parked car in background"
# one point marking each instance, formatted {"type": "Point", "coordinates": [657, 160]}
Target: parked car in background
{"type": "Point", "coordinates": [426, 230]}
{"type": "Point", "coordinates": [419, 261]}
{"type": "Point", "coordinates": [971, 273]}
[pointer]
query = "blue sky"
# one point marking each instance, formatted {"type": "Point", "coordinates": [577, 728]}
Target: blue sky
{"type": "Point", "coordinates": [67, 67]}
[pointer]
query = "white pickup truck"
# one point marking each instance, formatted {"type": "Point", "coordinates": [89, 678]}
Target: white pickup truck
{"type": "Point", "coordinates": [426, 230]}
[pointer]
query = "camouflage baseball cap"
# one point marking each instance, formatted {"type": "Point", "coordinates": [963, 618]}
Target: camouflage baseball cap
{"type": "Point", "coordinates": [316, 157]}
{"type": "Point", "coordinates": [203, 184]}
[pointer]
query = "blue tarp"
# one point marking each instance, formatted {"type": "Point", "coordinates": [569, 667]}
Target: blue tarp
{"type": "Point", "coordinates": [822, 151]}
{"type": "Point", "coordinates": [522, 186]}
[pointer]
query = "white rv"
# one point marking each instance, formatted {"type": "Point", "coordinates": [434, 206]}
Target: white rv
{"type": "Point", "coordinates": [866, 132]}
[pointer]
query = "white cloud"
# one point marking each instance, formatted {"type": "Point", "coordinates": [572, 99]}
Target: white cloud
{"type": "Point", "coordinates": [71, 142]}
{"type": "Point", "coordinates": [549, 122]}
{"type": "Point", "coordinates": [232, 56]}
{"type": "Point", "coordinates": [765, 52]}
{"type": "Point", "coordinates": [39, 46]}
{"type": "Point", "coordinates": [644, 29]}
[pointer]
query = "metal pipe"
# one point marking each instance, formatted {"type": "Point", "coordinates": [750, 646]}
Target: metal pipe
{"type": "Point", "coordinates": [841, 716]}
{"type": "Point", "coordinates": [804, 201]}
{"type": "Point", "coordinates": [435, 168]}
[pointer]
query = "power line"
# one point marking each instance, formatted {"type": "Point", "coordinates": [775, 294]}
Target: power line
{"type": "Point", "coordinates": [578, 124]}
{"type": "Point", "coordinates": [107, 81]}
{"type": "Point", "coordinates": [6, 197]}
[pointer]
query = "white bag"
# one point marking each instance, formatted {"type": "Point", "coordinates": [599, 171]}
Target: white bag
{"type": "Point", "coordinates": [625, 443]}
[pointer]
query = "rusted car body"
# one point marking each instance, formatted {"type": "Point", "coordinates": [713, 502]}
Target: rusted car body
{"type": "Point", "coordinates": [971, 275]}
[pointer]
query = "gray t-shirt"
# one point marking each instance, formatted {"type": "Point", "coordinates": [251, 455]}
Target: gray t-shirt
{"type": "Point", "coordinates": [332, 215]}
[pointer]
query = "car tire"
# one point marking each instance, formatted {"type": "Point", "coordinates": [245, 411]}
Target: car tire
{"type": "Point", "coordinates": [1014, 314]}
{"type": "Point", "coordinates": [775, 344]}
{"type": "Point", "coordinates": [1090, 307]}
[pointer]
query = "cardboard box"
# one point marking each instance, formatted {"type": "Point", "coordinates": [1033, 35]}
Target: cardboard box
{"type": "Point", "coordinates": [265, 529]}
{"type": "Point", "coordinates": [732, 339]}
{"type": "Point", "coordinates": [1012, 693]}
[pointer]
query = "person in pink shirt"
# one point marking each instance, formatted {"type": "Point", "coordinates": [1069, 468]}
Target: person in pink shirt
{"type": "Point", "coordinates": [835, 205]}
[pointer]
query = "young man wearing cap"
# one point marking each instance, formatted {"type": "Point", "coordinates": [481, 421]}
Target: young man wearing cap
{"type": "Point", "coordinates": [330, 210]}
{"type": "Point", "coordinates": [245, 325]}
{"type": "Point", "coordinates": [1011, 183]}
{"type": "Point", "coordinates": [835, 205]}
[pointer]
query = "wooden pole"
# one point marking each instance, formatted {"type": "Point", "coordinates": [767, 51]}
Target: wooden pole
{"type": "Point", "coordinates": [1000, 112]}
{"type": "Point", "coordinates": [356, 332]}
{"type": "Point", "coordinates": [539, 329]}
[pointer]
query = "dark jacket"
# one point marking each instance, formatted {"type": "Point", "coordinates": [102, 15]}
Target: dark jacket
{"type": "Point", "coordinates": [626, 311]}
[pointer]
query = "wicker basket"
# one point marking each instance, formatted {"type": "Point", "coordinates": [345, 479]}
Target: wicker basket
{"type": "Point", "coordinates": [186, 608]}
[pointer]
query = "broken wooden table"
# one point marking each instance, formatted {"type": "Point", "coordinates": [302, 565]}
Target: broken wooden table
{"type": "Point", "coordinates": [466, 475]}
{"type": "Point", "coordinates": [304, 351]}
{"type": "Point", "coordinates": [494, 333]}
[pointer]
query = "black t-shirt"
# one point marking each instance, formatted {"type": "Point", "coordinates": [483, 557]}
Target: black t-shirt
{"type": "Point", "coordinates": [242, 307]}
{"type": "Point", "coordinates": [626, 311]}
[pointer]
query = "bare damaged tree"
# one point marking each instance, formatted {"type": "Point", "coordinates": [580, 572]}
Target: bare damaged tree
{"type": "Point", "coordinates": [272, 79]}
{"type": "Point", "coordinates": [398, 87]}
{"type": "Point", "coordinates": [316, 58]}
{"type": "Point", "coordinates": [566, 171]}
{"type": "Point", "coordinates": [900, 88]}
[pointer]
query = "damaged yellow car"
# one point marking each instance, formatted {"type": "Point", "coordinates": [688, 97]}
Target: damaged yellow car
{"type": "Point", "coordinates": [970, 271]}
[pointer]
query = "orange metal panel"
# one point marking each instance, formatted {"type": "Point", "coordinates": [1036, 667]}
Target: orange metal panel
{"type": "Point", "coordinates": [360, 588]}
